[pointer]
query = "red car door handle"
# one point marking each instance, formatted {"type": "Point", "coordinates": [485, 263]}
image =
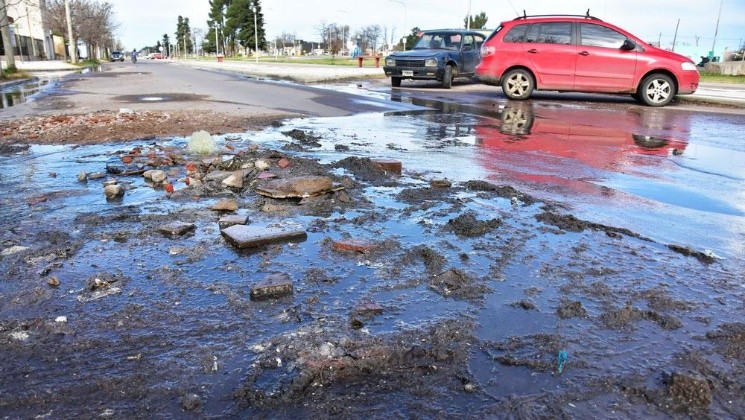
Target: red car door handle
{"type": "Point", "coordinates": [584, 53]}
{"type": "Point", "coordinates": [532, 51]}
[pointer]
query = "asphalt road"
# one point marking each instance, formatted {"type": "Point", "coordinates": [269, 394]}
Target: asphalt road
{"type": "Point", "coordinates": [163, 86]}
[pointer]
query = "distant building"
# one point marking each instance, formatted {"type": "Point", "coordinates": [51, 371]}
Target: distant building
{"type": "Point", "coordinates": [29, 37]}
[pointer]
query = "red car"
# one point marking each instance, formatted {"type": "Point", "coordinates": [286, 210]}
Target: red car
{"type": "Point", "coordinates": [581, 54]}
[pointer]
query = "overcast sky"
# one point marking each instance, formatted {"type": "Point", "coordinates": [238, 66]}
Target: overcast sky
{"type": "Point", "coordinates": [143, 22]}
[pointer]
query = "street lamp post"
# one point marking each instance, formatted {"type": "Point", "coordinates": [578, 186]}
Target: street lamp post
{"type": "Point", "coordinates": [256, 34]}
{"type": "Point", "coordinates": [404, 5]}
{"type": "Point", "coordinates": [344, 33]}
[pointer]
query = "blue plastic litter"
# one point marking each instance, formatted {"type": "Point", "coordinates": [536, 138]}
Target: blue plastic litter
{"type": "Point", "coordinates": [562, 358]}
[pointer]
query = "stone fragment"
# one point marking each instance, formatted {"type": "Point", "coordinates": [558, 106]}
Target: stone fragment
{"type": "Point", "coordinates": [96, 175]}
{"type": "Point", "coordinates": [157, 176]}
{"type": "Point", "coordinates": [217, 176]}
{"type": "Point", "coordinates": [177, 228]}
{"type": "Point", "coordinates": [262, 165]}
{"type": "Point", "coordinates": [82, 176]}
{"type": "Point", "coordinates": [298, 187]}
{"type": "Point", "coordinates": [266, 175]}
{"type": "Point", "coordinates": [225, 205]}
{"type": "Point", "coordinates": [232, 220]}
{"type": "Point", "coordinates": [113, 191]}
{"type": "Point", "coordinates": [283, 163]}
{"type": "Point", "coordinates": [242, 236]}
{"type": "Point", "coordinates": [53, 281]}
{"type": "Point", "coordinates": [273, 286]}
{"type": "Point", "coordinates": [235, 180]}
{"type": "Point", "coordinates": [354, 245]}
{"type": "Point", "coordinates": [389, 165]}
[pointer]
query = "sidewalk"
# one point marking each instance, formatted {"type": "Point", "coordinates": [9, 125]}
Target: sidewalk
{"type": "Point", "coordinates": [300, 73]}
{"type": "Point", "coordinates": [718, 93]}
{"type": "Point", "coordinates": [43, 65]}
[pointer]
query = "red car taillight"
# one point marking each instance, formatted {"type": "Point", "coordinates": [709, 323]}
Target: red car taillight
{"type": "Point", "coordinates": [487, 50]}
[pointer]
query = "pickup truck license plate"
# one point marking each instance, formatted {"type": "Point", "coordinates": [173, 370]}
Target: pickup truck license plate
{"type": "Point", "coordinates": [407, 73]}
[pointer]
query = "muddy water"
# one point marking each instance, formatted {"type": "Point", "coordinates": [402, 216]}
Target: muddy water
{"type": "Point", "coordinates": [608, 276]}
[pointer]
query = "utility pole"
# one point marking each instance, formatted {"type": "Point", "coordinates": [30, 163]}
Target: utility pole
{"type": "Point", "coordinates": [716, 30]}
{"type": "Point", "coordinates": [4, 28]}
{"type": "Point", "coordinates": [73, 43]}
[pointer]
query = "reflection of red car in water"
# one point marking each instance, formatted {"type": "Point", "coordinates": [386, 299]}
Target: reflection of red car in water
{"type": "Point", "coordinates": [570, 146]}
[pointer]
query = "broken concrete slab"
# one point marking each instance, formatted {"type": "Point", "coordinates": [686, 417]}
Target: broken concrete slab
{"type": "Point", "coordinates": [232, 220]}
{"type": "Point", "coordinates": [297, 187]}
{"type": "Point", "coordinates": [177, 228]}
{"type": "Point", "coordinates": [273, 286]}
{"type": "Point", "coordinates": [242, 236]}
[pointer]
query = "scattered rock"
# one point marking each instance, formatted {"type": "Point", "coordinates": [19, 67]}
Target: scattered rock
{"type": "Point", "coordinates": [157, 176]}
{"type": "Point", "coordinates": [53, 281]}
{"type": "Point", "coordinates": [242, 236]}
{"type": "Point", "coordinates": [235, 180]}
{"type": "Point", "coordinates": [273, 286]}
{"type": "Point", "coordinates": [225, 205]}
{"type": "Point", "coordinates": [283, 163]}
{"type": "Point", "coordinates": [113, 191]}
{"type": "Point", "coordinates": [298, 187]}
{"type": "Point", "coordinates": [177, 228]}
{"type": "Point", "coordinates": [262, 165]}
{"type": "Point", "coordinates": [82, 176]}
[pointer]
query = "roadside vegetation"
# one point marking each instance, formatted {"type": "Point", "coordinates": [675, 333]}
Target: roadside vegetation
{"type": "Point", "coordinates": [721, 78]}
{"type": "Point", "coordinates": [13, 74]}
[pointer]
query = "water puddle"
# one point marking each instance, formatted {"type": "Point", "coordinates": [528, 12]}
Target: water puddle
{"type": "Point", "coordinates": [465, 282]}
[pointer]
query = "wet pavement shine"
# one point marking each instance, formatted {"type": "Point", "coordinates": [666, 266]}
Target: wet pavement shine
{"type": "Point", "coordinates": [610, 237]}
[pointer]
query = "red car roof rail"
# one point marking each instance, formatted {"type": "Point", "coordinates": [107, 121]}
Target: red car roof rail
{"type": "Point", "coordinates": [586, 16]}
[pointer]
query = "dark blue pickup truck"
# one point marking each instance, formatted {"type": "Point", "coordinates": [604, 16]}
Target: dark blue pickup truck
{"type": "Point", "coordinates": [441, 55]}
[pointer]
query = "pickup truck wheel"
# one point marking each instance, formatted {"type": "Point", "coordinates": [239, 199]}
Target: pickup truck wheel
{"type": "Point", "coordinates": [396, 81]}
{"type": "Point", "coordinates": [518, 84]}
{"type": "Point", "coordinates": [447, 78]}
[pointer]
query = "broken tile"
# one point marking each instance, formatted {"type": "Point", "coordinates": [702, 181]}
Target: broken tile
{"type": "Point", "coordinates": [242, 236]}
{"type": "Point", "coordinates": [273, 286]}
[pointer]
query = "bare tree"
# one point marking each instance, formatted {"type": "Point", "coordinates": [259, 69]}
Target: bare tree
{"type": "Point", "coordinates": [93, 22]}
